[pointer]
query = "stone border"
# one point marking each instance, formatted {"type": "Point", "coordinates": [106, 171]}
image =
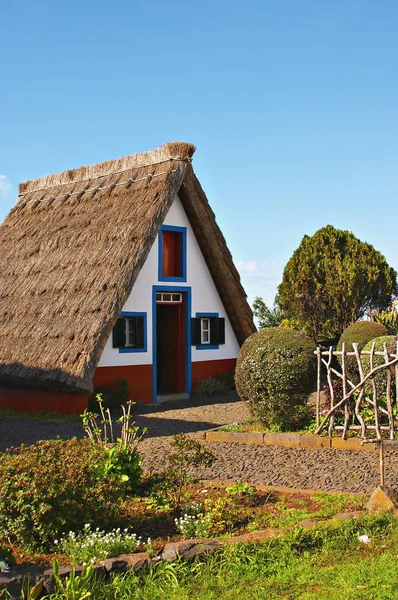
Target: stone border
{"type": "Point", "coordinates": [291, 440]}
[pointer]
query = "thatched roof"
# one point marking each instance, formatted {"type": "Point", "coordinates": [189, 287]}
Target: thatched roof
{"type": "Point", "coordinates": [71, 250]}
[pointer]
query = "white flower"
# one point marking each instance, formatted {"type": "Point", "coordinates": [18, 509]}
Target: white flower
{"type": "Point", "coordinates": [4, 567]}
{"type": "Point", "coordinates": [204, 491]}
{"type": "Point", "coordinates": [55, 542]}
{"type": "Point", "coordinates": [87, 526]}
{"type": "Point", "coordinates": [364, 539]}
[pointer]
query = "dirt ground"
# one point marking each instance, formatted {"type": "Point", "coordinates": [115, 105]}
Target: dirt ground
{"type": "Point", "coordinates": [325, 469]}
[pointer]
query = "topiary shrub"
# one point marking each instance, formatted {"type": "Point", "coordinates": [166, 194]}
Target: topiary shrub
{"type": "Point", "coordinates": [275, 372]}
{"type": "Point", "coordinates": [52, 487]}
{"type": "Point", "coordinates": [381, 376]}
{"type": "Point", "coordinates": [360, 332]}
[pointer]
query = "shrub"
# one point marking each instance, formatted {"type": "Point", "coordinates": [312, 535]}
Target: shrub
{"type": "Point", "coordinates": [381, 377]}
{"type": "Point", "coordinates": [275, 372]}
{"type": "Point", "coordinates": [361, 333]}
{"type": "Point", "coordinates": [185, 455]}
{"type": "Point", "coordinates": [52, 487]}
{"type": "Point", "coordinates": [212, 387]}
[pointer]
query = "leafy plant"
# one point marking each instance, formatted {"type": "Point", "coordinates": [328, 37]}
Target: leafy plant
{"type": "Point", "coordinates": [122, 459]}
{"type": "Point", "coordinates": [185, 455]}
{"type": "Point", "coordinates": [90, 546]}
{"type": "Point", "coordinates": [53, 486]}
{"type": "Point", "coordinates": [240, 488]}
{"type": "Point", "coordinates": [275, 372]}
{"type": "Point", "coordinates": [212, 387]}
{"type": "Point", "coordinates": [74, 587]}
{"type": "Point", "coordinates": [193, 526]}
{"type": "Point", "coordinates": [234, 427]}
{"type": "Point", "coordinates": [388, 318]}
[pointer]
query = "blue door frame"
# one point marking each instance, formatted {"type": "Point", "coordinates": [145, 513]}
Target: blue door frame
{"type": "Point", "coordinates": [188, 354]}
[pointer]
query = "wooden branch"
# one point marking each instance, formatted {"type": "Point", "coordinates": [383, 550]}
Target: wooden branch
{"type": "Point", "coordinates": [376, 411]}
{"type": "Point", "coordinates": [330, 382]}
{"type": "Point", "coordinates": [318, 387]}
{"type": "Point", "coordinates": [361, 393]}
{"type": "Point", "coordinates": [344, 377]}
{"type": "Point", "coordinates": [389, 404]}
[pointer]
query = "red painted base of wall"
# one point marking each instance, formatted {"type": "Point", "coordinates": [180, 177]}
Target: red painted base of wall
{"type": "Point", "coordinates": [138, 377]}
{"type": "Point", "coordinates": [211, 368]}
{"type": "Point", "coordinates": [33, 400]}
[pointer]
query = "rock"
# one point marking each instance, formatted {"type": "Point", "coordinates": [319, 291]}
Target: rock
{"type": "Point", "coordinates": [115, 565]}
{"type": "Point", "coordinates": [188, 548]}
{"type": "Point", "coordinates": [383, 498]}
{"type": "Point", "coordinates": [344, 516]}
{"type": "Point", "coordinates": [10, 583]}
{"type": "Point", "coordinates": [257, 536]}
{"type": "Point", "coordinates": [307, 523]}
{"type": "Point", "coordinates": [136, 561]}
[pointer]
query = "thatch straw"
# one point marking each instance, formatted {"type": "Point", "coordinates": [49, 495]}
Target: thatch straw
{"type": "Point", "coordinates": [69, 260]}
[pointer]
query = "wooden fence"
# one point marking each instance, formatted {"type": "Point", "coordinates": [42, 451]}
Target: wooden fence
{"type": "Point", "coordinates": [376, 395]}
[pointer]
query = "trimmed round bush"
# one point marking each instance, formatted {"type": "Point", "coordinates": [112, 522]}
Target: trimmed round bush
{"type": "Point", "coordinates": [275, 372]}
{"type": "Point", "coordinates": [52, 487]}
{"type": "Point", "coordinates": [360, 332]}
{"type": "Point", "coordinates": [381, 376]}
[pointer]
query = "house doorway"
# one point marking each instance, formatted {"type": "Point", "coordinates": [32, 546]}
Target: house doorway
{"type": "Point", "coordinates": [170, 343]}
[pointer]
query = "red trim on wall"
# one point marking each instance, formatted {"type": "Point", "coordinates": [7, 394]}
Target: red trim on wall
{"type": "Point", "coordinates": [211, 368]}
{"type": "Point", "coordinates": [33, 400]}
{"type": "Point", "coordinates": [138, 377]}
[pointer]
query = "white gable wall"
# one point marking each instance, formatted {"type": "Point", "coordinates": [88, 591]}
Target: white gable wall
{"type": "Point", "coordinates": [205, 299]}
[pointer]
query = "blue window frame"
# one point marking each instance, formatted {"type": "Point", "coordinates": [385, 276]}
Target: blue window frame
{"type": "Point", "coordinates": [183, 254]}
{"type": "Point", "coordinates": [206, 316]}
{"type": "Point", "coordinates": [138, 319]}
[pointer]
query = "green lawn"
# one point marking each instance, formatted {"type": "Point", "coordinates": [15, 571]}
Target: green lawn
{"type": "Point", "coordinates": [326, 562]}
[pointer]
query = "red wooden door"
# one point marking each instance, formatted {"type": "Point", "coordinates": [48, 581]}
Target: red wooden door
{"type": "Point", "coordinates": [170, 350]}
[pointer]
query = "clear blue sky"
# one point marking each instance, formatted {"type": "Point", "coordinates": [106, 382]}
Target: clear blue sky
{"type": "Point", "coordinates": [292, 105]}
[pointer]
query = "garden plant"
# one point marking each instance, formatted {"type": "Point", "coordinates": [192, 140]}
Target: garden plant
{"type": "Point", "coordinates": [275, 372]}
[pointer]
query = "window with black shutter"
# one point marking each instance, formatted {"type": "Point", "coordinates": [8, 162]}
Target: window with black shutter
{"type": "Point", "coordinates": [207, 331]}
{"type": "Point", "coordinates": [129, 332]}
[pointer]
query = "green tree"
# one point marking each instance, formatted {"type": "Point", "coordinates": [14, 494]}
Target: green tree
{"type": "Point", "coordinates": [332, 279]}
{"type": "Point", "coordinates": [267, 317]}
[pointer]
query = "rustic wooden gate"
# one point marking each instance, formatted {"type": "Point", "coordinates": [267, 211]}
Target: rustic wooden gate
{"type": "Point", "coordinates": [380, 401]}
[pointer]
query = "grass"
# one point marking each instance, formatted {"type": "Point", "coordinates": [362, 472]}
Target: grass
{"type": "Point", "coordinates": [7, 413]}
{"type": "Point", "coordinates": [327, 562]}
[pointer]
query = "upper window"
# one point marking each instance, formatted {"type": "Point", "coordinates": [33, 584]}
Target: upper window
{"type": "Point", "coordinates": [208, 331]}
{"type": "Point", "coordinates": [172, 253]}
{"type": "Point", "coordinates": [129, 333]}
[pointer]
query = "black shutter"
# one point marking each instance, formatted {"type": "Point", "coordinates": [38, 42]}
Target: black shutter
{"type": "Point", "coordinates": [196, 332]}
{"type": "Point", "coordinates": [139, 332]}
{"type": "Point", "coordinates": [119, 334]}
{"type": "Point", "coordinates": [221, 331]}
{"type": "Point", "coordinates": [213, 331]}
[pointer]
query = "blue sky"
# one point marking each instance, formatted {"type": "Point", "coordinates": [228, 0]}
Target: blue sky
{"type": "Point", "coordinates": [292, 105]}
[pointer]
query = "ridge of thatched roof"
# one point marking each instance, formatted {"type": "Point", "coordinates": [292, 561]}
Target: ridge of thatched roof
{"type": "Point", "coordinates": [71, 250]}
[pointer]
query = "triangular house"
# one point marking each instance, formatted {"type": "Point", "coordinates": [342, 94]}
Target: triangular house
{"type": "Point", "coordinates": [116, 271]}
